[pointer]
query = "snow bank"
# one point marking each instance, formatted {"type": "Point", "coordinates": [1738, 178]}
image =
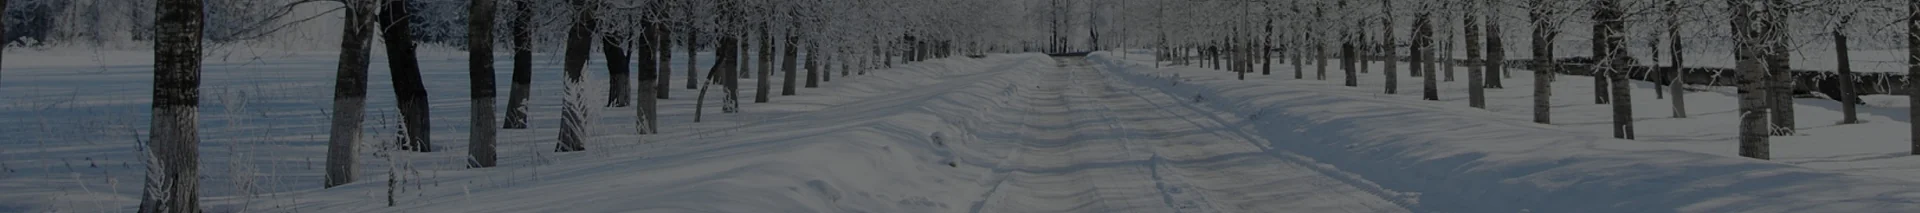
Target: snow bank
{"type": "Point", "coordinates": [1459, 158]}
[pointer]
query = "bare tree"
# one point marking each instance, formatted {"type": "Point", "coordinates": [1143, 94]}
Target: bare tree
{"type": "Point", "coordinates": [1496, 62]}
{"type": "Point", "coordinates": [613, 49]}
{"type": "Point", "coordinates": [663, 44]}
{"type": "Point", "coordinates": [172, 183]}
{"type": "Point", "coordinates": [1847, 97]}
{"type": "Point", "coordinates": [1613, 63]}
{"type": "Point", "coordinates": [1677, 77]}
{"type": "Point", "coordinates": [1392, 57]}
{"type": "Point", "coordinates": [408, 88]}
{"type": "Point", "coordinates": [1750, 41]}
{"type": "Point", "coordinates": [1543, 62]}
{"type": "Point", "coordinates": [350, 92]}
{"type": "Point", "coordinates": [1913, 71]}
{"type": "Point", "coordinates": [1476, 90]}
{"type": "Point", "coordinates": [480, 143]}
{"type": "Point", "coordinates": [1423, 51]}
{"type": "Point", "coordinates": [648, 76]}
{"type": "Point", "coordinates": [1779, 71]}
{"type": "Point", "coordinates": [764, 87]}
{"type": "Point", "coordinates": [787, 65]}
{"type": "Point", "coordinates": [522, 65]}
{"type": "Point", "coordinates": [579, 45]}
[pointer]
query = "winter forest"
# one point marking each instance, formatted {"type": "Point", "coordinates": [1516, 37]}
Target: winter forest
{"type": "Point", "coordinates": [959, 106]}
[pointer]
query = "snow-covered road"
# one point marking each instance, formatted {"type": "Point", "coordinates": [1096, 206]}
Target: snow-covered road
{"type": "Point", "coordinates": [1093, 143]}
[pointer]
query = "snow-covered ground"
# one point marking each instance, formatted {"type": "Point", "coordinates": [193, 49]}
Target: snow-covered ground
{"type": "Point", "coordinates": [1502, 159]}
{"type": "Point", "coordinates": [1005, 133]}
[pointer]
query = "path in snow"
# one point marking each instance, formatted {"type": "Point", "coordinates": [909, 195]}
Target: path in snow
{"type": "Point", "coordinates": [1096, 144]}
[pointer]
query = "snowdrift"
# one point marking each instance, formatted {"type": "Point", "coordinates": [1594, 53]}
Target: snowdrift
{"type": "Point", "coordinates": [1454, 158]}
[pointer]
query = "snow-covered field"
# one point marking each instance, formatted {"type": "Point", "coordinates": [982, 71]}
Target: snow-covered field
{"type": "Point", "coordinates": [1005, 133]}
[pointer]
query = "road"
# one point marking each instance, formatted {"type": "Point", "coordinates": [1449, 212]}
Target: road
{"type": "Point", "coordinates": [1094, 143]}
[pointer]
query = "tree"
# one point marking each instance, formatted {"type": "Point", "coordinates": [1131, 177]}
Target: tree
{"type": "Point", "coordinates": [172, 183]}
{"type": "Point", "coordinates": [763, 85]}
{"type": "Point", "coordinates": [579, 45]}
{"type": "Point", "coordinates": [480, 148]}
{"type": "Point", "coordinates": [693, 58]}
{"type": "Point", "coordinates": [1913, 71]}
{"type": "Point", "coordinates": [1496, 47]}
{"type": "Point", "coordinates": [1423, 51]}
{"type": "Point", "coordinates": [1847, 97]}
{"type": "Point", "coordinates": [1476, 90]}
{"type": "Point", "coordinates": [522, 65]}
{"type": "Point", "coordinates": [350, 92]}
{"type": "Point", "coordinates": [3, 24]}
{"type": "Point", "coordinates": [408, 88]}
{"type": "Point", "coordinates": [813, 66]}
{"type": "Point", "coordinates": [1750, 40]}
{"type": "Point", "coordinates": [1676, 83]}
{"type": "Point", "coordinates": [663, 44]}
{"type": "Point", "coordinates": [644, 48]}
{"type": "Point", "coordinates": [1393, 58]}
{"type": "Point", "coordinates": [1543, 62]}
{"type": "Point", "coordinates": [619, 92]}
{"type": "Point", "coordinates": [1779, 72]}
{"type": "Point", "coordinates": [787, 64]}
{"type": "Point", "coordinates": [1613, 63]}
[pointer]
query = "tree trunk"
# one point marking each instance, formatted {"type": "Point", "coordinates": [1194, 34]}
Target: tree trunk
{"type": "Point", "coordinates": [1613, 62]}
{"type": "Point", "coordinates": [693, 58]}
{"type": "Point", "coordinates": [1446, 57]}
{"type": "Point", "coordinates": [788, 65]}
{"type": "Point", "coordinates": [723, 63]}
{"type": "Point", "coordinates": [1749, 42]}
{"type": "Point", "coordinates": [407, 85]}
{"type": "Point", "coordinates": [173, 179]}
{"type": "Point", "coordinates": [664, 51]}
{"type": "Point", "coordinates": [619, 91]}
{"type": "Point", "coordinates": [1779, 70]}
{"type": "Point", "coordinates": [1423, 44]}
{"type": "Point", "coordinates": [1543, 62]}
{"type": "Point", "coordinates": [522, 65]}
{"type": "Point", "coordinates": [1476, 89]}
{"type": "Point", "coordinates": [578, 50]}
{"type": "Point", "coordinates": [1848, 98]}
{"type": "Point", "coordinates": [1392, 57]}
{"type": "Point", "coordinates": [1676, 83]}
{"type": "Point", "coordinates": [814, 66]}
{"type": "Point", "coordinates": [1496, 63]}
{"type": "Point", "coordinates": [350, 93]}
{"type": "Point", "coordinates": [1349, 58]}
{"type": "Point", "coordinates": [1320, 57]}
{"type": "Point", "coordinates": [730, 77]}
{"type": "Point", "coordinates": [480, 144]}
{"type": "Point", "coordinates": [764, 86]}
{"type": "Point", "coordinates": [1913, 72]}
{"type": "Point", "coordinates": [3, 24]}
{"type": "Point", "coordinates": [648, 79]}
{"type": "Point", "coordinates": [1266, 50]}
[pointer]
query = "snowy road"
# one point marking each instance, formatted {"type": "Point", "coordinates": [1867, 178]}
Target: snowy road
{"type": "Point", "coordinates": [1093, 143]}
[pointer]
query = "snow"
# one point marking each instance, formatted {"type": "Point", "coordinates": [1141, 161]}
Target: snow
{"type": "Point", "coordinates": [1005, 133]}
{"type": "Point", "coordinates": [1498, 158]}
